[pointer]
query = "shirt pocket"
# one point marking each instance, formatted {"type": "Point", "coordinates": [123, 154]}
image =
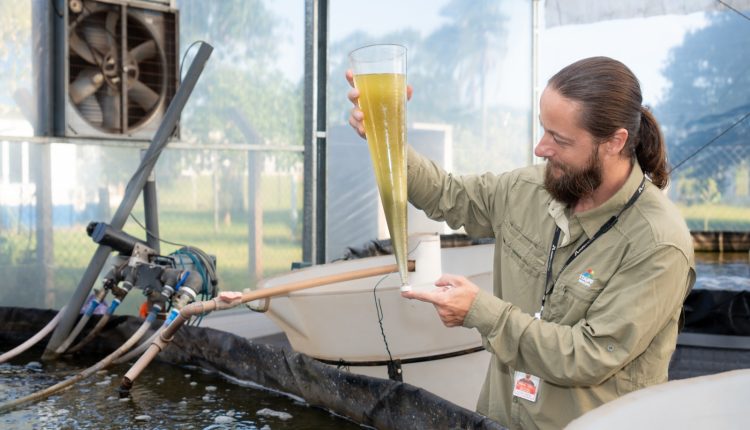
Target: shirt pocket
{"type": "Point", "coordinates": [571, 299]}
{"type": "Point", "coordinates": [523, 249]}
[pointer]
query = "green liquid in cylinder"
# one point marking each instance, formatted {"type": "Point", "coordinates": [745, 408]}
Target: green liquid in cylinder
{"type": "Point", "coordinates": [382, 98]}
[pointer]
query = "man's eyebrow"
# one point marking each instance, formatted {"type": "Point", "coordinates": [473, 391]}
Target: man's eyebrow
{"type": "Point", "coordinates": [557, 135]}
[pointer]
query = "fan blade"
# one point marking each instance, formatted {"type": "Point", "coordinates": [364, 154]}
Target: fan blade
{"type": "Point", "coordinates": [83, 50]}
{"type": "Point", "coordinates": [144, 51]}
{"type": "Point", "coordinates": [86, 83]}
{"type": "Point", "coordinates": [141, 94]}
{"type": "Point", "coordinates": [110, 103]}
{"type": "Point", "coordinates": [90, 110]}
{"type": "Point", "coordinates": [111, 26]}
{"type": "Point", "coordinates": [98, 39]}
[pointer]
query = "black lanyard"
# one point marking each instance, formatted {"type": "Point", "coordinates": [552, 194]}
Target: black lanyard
{"type": "Point", "coordinates": [549, 287]}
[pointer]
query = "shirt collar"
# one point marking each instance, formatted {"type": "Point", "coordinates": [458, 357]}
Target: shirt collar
{"type": "Point", "coordinates": [593, 219]}
{"type": "Point", "coordinates": [557, 211]}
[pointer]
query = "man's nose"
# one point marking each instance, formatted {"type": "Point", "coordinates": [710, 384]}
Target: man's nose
{"type": "Point", "coordinates": [543, 149]}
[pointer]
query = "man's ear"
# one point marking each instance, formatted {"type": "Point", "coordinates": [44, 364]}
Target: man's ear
{"type": "Point", "coordinates": [616, 143]}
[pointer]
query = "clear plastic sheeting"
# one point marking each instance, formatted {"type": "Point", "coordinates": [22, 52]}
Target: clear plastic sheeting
{"type": "Point", "coordinates": [567, 12]}
{"type": "Point", "coordinates": [381, 403]}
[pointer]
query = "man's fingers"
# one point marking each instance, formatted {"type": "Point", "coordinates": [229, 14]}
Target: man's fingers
{"type": "Point", "coordinates": [353, 96]}
{"type": "Point", "coordinates": [350, 76]}
{"type": "Point", "coordinates": [356, 124]}
{"type": "Point", "coordinates": [356, 114]}
{"type": "Point", "coordinates": [425, 296]}
{"type": "Point", "coordinates": [409, 92]}
{"type": "Point", "coordinates": [448, 280]}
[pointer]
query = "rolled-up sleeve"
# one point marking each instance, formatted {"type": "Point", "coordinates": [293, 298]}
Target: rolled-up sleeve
{"type": "Point", "coordinates": [472, 201]}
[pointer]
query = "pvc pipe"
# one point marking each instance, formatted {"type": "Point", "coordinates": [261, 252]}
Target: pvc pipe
{"type": "Point", "coordinates": [235, 299]}
{"type": "Point", "coordinates": [140, 348]}
{"type": "Point", "coordinates": [73, 334]}
{"type": "Point", "coordinates": [92, 334]}
{"type": "Point", "coordinates": [82, 322]}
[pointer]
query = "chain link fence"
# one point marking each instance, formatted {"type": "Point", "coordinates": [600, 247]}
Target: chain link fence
{"type": "Point", "coordinates": [713, 189]}
{"type": "Point", "coordinates": [242, 207]}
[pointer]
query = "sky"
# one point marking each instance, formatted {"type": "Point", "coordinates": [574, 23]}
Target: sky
{"type": "Point", "coordinates": [346, 17]}
{"type": "Point", "coordinates": [641, 43]}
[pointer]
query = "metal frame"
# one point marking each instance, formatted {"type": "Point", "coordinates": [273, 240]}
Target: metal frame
{"type": "Point", "coordinates": [316, 50]}
{"type": "Point", "coordinates": [536, 26]}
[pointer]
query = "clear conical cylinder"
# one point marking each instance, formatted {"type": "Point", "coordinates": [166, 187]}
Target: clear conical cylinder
{"type": "Point", "coordinates": [382, 98]}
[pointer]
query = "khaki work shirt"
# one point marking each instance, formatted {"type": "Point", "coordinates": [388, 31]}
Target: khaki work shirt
{"type": "Point", "coordinates": [597, 338]}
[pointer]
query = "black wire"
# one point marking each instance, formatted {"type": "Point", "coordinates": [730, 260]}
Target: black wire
{"type": "Point", "coordinates": [184, 55]}
{"type": "Point", "coordinates": [379, 307]}
{"type": "Point", "coordinates": [209, 287]}
{"type": "Point", "coordinates": [736, 123]}
{"type": "Point", "coordinates": [205, 258]}
{"type": "Point", "coordinates": [149, 234]}
{"type": "Point", "coordinates": [379, 310]}
{"type": "Point", "coordinates": [738, 12]}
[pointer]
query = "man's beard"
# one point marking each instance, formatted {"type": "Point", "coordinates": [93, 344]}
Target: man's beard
{"type": "Point", "coordinates": [572, 185]}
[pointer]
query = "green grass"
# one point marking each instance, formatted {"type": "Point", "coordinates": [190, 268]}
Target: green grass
{"type": "Point", "coordinates": [180, 221]}
{"type": "Point", "coordinates": [716, 217]}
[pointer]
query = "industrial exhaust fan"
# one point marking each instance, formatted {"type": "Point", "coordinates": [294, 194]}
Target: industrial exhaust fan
{"type": "Point", "coordinates": [120, 68]}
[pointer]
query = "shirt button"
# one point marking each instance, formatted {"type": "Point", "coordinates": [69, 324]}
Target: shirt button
{"type": "Point", "coordinates": [610, 347]}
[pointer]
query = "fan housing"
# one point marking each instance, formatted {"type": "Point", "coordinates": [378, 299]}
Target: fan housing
{"type": "Point", "coordinates": [120, 70]}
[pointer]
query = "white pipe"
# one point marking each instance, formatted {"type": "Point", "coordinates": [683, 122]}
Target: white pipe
{"type": "Point", "coordinates": [34, 339]}
{"type": "Point", "coordinates": [73, 334]}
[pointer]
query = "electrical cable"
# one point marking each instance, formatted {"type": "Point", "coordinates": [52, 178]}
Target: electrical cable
{"type": "Point", "coordinates": [150, 234]}
{"type": "Point", "coordinates": [381, 316]}
{"type": "Point", "coordinates": [203, 263]}
{"type": "Point", "coordinates": [735, 10]}
{"type": "Point", "coordinates": [725, 131]}
{"type": "Point", "coordinates": [379, 308]}
{"type": "Point", "coordinates": [207, 270]}
{"type": "Point", "coordinates": [736, 123]}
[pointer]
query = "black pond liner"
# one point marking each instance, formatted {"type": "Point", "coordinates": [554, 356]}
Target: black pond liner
{"type": "Point", "coordinates": [380, 403]}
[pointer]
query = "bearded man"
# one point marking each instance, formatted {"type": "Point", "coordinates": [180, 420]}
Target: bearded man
{"type": "Point", "coordinates": [592, 261]}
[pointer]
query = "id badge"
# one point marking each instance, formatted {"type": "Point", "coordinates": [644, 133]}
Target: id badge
{"type": "Point", "coordinates": [525, 386]}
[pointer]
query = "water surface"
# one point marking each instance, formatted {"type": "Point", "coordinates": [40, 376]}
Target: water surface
{"type": "Point", "coordinates": [163, 397]}
{"type": "Point", "coordinates": [729, 271]}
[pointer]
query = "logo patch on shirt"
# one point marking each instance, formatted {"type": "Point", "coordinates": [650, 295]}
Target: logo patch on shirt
{"type": "Point", "coordinates": [586, 278]}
